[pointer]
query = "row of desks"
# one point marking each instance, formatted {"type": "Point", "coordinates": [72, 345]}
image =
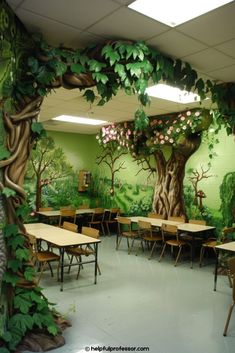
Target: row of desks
{"type": "Point", "coordinates": [63, 239]}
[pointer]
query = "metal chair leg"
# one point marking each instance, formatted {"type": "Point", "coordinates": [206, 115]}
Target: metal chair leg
{"type": "Point", "coordinates": [162, 253]}
{"type": "Point", "coordinates": [228, 319]}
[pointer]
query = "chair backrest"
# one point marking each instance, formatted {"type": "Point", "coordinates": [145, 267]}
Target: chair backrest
{"type": "Point", "coordinates": [197, 221]}
{"type": "Point", "coordinates": [176, 219]}
{"type": "Point", "coordinates": [145, 228]}
{"type": "Point", "coordinates": [66, 208]}
{"type": "Point", "coordinates": [70, 226]}
{"type": "Point", "coordinates": [83, 207]}
{"type": "Point", "coordinates": [113, 213]}
{"type": "Point", "coordinates": [42, 209]}
{"type": "Point", "coordinates": [124, 220]}
{"type": "Point", "coordinates": [91, 232]}
{"type": "Point", "coordinates": [68, 213]}
{"type": "Point", "coordinates": [169, 230]}
{"type": "Point", "coordinates": [155, 215]}
{"type": "Point", "coordinates": [97, 215]}
{"type": "Point", "coordinates": [124, 224]}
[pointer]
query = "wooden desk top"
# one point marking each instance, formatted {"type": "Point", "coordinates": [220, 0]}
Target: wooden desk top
{"type": "Point", "coordinates": [154, 221]}
{"type": "Point", "coordinates": [58, 236]}
{"type": "Point", "coordinates": [227, 246]}
{"type": "Point", "coordinates": [55, 213]}
{"type": "Point", "coordinates": [194, 228]}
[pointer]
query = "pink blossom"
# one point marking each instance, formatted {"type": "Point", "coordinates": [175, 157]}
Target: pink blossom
{"type": "Point", "coordinates": [179, 115]}
{"type": "Point", "coordinates": [161, 137]}
{"type": "Point", "coordinates": [171, 128]}
{"type": "Point", "coordinates": [159, 122]}
{"type": "Point", "coordinates": [188, 121]}
{"type": "Point", "coordinates": [171, 140]}
{"type": "Point", "coordinates": [177, 130]}
{"type": "Point", "coordinates": [197, 113]}
{"type": "Point", "coordinates": [162, 142]}
{"type": "Point", "coordinates": [169, 132]}
{"type": "Point", "coordinates": [175, 121]}
{"type": "Point", "coordinates": [184, 127]}
{"type": "Point", "coordinates": [182, 118]}
{"type": "Point", "coordinates": [188, 113]}
{"type": "Point", "coordinates": [166, 138]}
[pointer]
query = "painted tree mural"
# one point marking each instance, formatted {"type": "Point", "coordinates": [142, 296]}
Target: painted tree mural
{"type": "Point", "coordinates": [227, 195]}
{"type": "Point", "coordinates": [170, 140]}
{"type": "Point", "coordinates": [110, 155]}
{"type": "Point", "coordinates": [31, 68]}
{"type": "Point", "coordinates": [47, 164]}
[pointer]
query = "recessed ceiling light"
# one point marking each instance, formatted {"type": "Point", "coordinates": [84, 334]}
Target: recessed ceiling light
{"type": "Point", "coordinates": [173, 94]}
{"type": "Point", "coordinates": [79, 120]}
{"type": "Point", "coordinates": [175, 12]}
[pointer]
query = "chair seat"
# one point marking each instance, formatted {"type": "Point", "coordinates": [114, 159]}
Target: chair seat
{"type": "Point", "coordinates": [133, 234]}
{"type": "Point", "coordinates": [153, 238]}
{"type": "Point", "coordinates": [79, 251]}
{"type": "Point", "coordinates": [210, 244]}
{"type": "Point", "coordinates": [175, 242]}
{"type": "Point", "coordinates": [47, 256]}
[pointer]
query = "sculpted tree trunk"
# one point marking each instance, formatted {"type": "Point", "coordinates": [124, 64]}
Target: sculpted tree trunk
{"type": "Point", "coordinates": [168, 193]}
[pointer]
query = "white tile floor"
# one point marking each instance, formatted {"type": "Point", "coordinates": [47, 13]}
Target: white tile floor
{"type": "Point", "coordinates": [143, 303]}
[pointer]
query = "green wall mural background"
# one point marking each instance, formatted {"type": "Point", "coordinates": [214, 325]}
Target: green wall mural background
{"type": "Point", "coordinates": [133, 188]}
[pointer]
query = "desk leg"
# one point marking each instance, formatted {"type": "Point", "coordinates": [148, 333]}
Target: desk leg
{"type": "Point", "coordinates": [216, 270]}
{"type": "Point", "coordinates": [61, 269]}
{"type": "Point", "coordinates": [96, 261]}
{"type": "Point", "coordinates": [192, 251]}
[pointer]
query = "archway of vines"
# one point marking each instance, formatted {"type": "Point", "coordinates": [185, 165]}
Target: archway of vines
{"type": "Point", "coordinates": [108, 67]}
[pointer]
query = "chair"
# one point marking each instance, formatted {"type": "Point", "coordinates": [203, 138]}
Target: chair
{"type": "Point", "coordinates": [171, 237]}
{"type": "Point", "coordinates": [212, 242]}
{"type": "Point", "coordinates": [78, 251]}
{"type": "Point", "coordinates": [231, 267]}
{"type": "Point", "coordinates": [70, 226]}
{"type": "Point", "coordinates": [83, 207]}
{"type": "Point", "coordinates": [176, 219]}
{"type": "Point", "coordinates": [97, 219]}
{"type": "Point", "coordinates": [155, 215]}
{"type": "Point", "coordinates": [186, 236]}
{"type": "Point", "coordinates": [68, 214]}
{"type": "Point", "coordinates": [45, 219]}
{"type": "Point", "coordinates": [42, 209]}
{"type": "Point", "coordinates": [146, 235]}
{"type": "Point", "coordinates": [42, 258]}
{"type": "Point", "coordinates": [125, 231]}
{"type": "Point", "coordinates": [112, 218]}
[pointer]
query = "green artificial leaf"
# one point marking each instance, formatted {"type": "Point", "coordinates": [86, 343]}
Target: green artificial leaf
{"type": "Point", "coordinates": [16, 241]}
{"type": "Point", "coordinates": [37, 128]}
{"type": "Point", "coordinates": [7, 88]}
{"type": "Point", "coordinates": [44, 76]}
{"type": "Point", "coordinates": [23, 211]}
{"type": "Point", "coordinates": [22, 254]}
{"type": "Point", "coordinates": [14, 265]}
{"type": "Point", "coordinates": [22, 303]}
{"type": "Point", "coordinates": [52, 329]}
{"type": "Point", "coordinates": [120, 70]}
{"type": "Point", "coordinates": [95, 65]}
{"type": "Point", "coordinates": [42, 91]}
{"type": "Point", "coordinates": [144, 99]}
{"type": "Point", "coordinates": [99, 77]}
{"type": "Point", "coordinates": [141, 120]}
{"type": "Point", "coordinates": [7, 337]}
{"type": "Point", "coordinates": [111, 54]}
{"type": "Point", "coordinates": [10, 278]}
{"type": "Point", "coordinates": [10, 230]}
{"type": "Point", "coordinates": [4, 153]}
{"type": "Point", "coordinates": [33, 63]}
{"type": "Point", "coordinates": [38, 319]}
{"type": "Point", "coordinates": [8, 192]}
{"type": "Point", "coordinates": [29, 273]}
{"type": "Point", "coordinates": [22, 322]}
{"type": "Point", "coordinates": [89, 95]}
{"type": "Point", "coordinates": [135, 69]}
{"type": "Point", "coordinates": [77, 68]}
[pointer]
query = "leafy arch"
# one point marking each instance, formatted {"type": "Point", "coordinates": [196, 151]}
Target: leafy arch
{"type": "Point", "coordinates": [108, 67]}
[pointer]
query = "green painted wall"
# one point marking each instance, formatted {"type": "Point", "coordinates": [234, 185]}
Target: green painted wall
{"type": "Point", "coordinates": [80, 149]}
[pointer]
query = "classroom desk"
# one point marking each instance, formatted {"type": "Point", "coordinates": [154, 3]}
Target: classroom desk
{"type": "Point", "coordinates": [56, 213]}
{"type": "Point", "coordinates": [195, 230]}
{"type": "Point", "coordinates": [191, 228]}
{"type": "Point", "coordinates": [228, 247]}
{"type": "Point", "coordinates": [62, 239]}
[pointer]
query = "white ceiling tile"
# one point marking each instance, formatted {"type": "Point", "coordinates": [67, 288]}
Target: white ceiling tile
{"type": "Point", "coordinates": [175, 44]}
{"type": "Point", "coordinates": [128, 24]}
{"type": "Point", "coordinates": [78, 13]}
{"type": "Point", "coordinates": [226, 74]}
{"type": "Point", "coordinates": [212, 28]}
{"type": "Point", "coordinates": [209, 60]}
{"type": "Point", "coordinates": [227, 48]}
{"type": "Point", "coordinates": [55, 33]}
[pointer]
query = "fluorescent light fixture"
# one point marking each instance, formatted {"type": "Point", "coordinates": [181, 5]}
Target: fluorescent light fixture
{"type": "Point", "coordinates": [79, 120]}
{"type": "Point", "coordinates": [173, 94]}
{"type": "Point", "coordinates": [175, 12]}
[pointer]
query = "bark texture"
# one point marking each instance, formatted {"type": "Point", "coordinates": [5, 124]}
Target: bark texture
{"type": "Point", "coordinates": [168, 192]}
